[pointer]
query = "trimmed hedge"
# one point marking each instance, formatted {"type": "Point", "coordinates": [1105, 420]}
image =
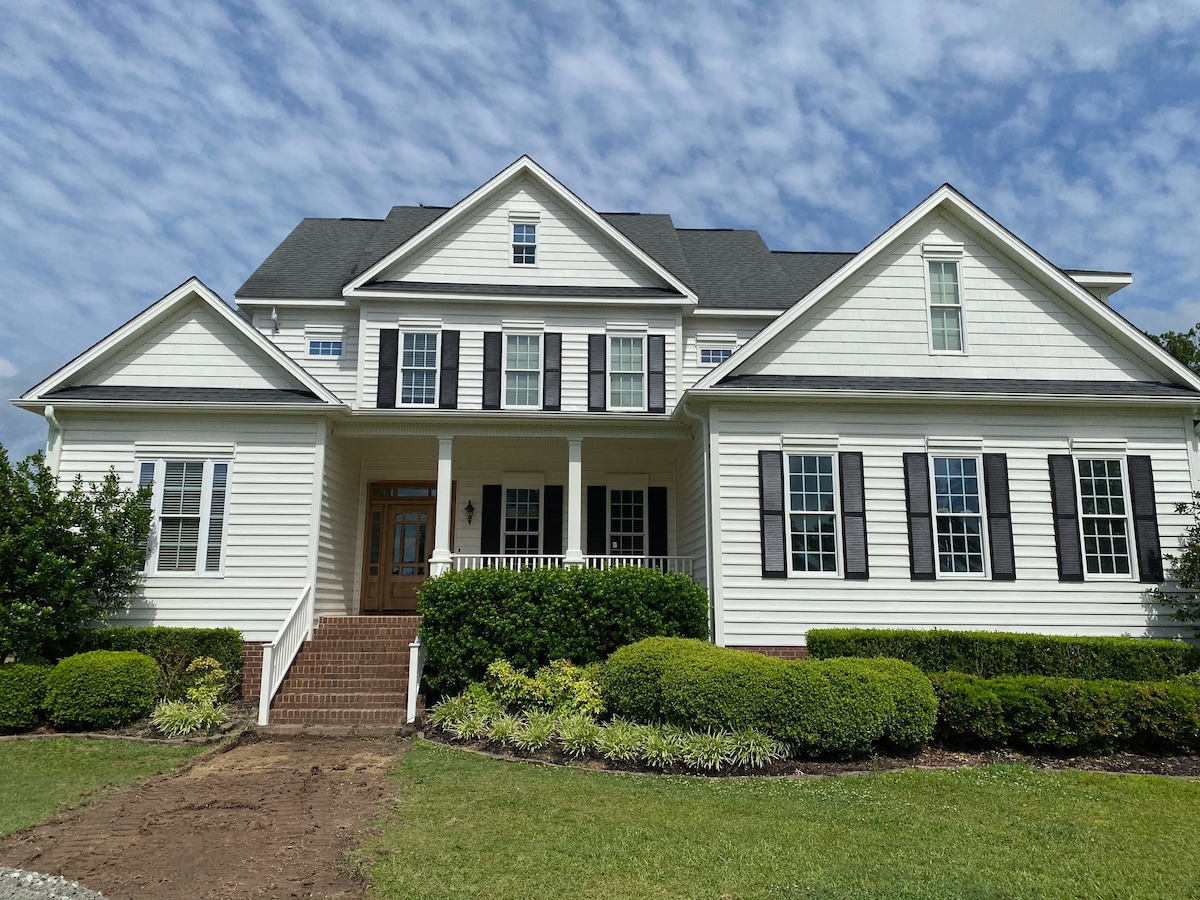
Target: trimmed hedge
{"type": "Point", "coordinates": [22, 696]}
{"type": "Point", "coordinates": [1067, 714]}
{"type": "Point", "coordinates": [101, 689]}
{"type": "Point", "coordinates": [174, 649]}
{"type": "Point", "coordinates": [472, 618]}
{"type": "Point", "coordinates": [837, 707]}
{"type": "Point", "coordinates": [988, 654]}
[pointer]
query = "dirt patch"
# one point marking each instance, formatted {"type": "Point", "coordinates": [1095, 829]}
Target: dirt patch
{"type": "Point", "coordinates": [269, 818]}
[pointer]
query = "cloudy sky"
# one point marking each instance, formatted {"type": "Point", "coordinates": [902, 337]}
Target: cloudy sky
{"type": "Point", "coordinates": [141, 143]}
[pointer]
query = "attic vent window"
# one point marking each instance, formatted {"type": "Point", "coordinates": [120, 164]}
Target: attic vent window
{"type": "Point", "coordinates": [524, 244]}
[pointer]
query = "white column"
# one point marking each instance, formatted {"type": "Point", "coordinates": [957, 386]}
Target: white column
{"type": "Point", "coordinates": [441, 560]}
{"type": "Point", "coordinates": [574, 501]}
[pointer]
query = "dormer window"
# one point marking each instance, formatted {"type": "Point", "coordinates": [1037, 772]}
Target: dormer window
{"type": "Point", "coordinates": [524, 244]}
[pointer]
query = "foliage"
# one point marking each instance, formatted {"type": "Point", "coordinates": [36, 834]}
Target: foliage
{"type": "Point", "coordinates": [67, 558]}
{"type": "Point", "coordinates": [529, 617]}
{"type": "Point", "coordinates": [175, 649]}
{"type": "Point", "coordinates": [1182, 593]}
{"type": "Point", "coordinates": [537, 733]}
{"type": "Point", "coordinates": [1068, 714]}
{"type": "Point", "coordinates": [1184, 346]}
{"type": "Point", "coordinates": [560, 686]}
{"type": "Point", "coordinates": [661, 746]}
{"type": "Point", "coordinates": [991, 653]}
{"type": "Point", "coordinates": [579, 735]}
{"type": "Point", "coordinates": [203, 709]}
{"type": "Point", "coordinates": [22, 696]}
{"type": "Point", "coordinates": [817, 707]}
{"type": "Point", "coordinates": [707, 750]}
{"type": "Point", "coordinates": [753, 749]}
{"type": "Point", "coordinates": [621, 741]}
{"type": "Point", "coordinates": [101, 689]}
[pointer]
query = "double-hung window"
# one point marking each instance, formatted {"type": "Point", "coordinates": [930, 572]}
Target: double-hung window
{"type": "Point", "coordinates": [188, 506]}
{"type": "Point", "coordinates": [522, 371]}
{"type": "Point", "coordinates": [522, 521]}
{"type": "Point", "coordinates": [627, 522]}
{"type": "Point", "coordinates": [627, 372]}
{"type": "Point", "coordinates": [524, 244]}
{"type": "Point", "coordinates": [945, 307]}
{"type": "Point", "coordinates": [813, 513]}
{"type": "Point", "coordinates": [418, 368]}
{"type": "Point", "coordinates": [958, 510]}
{"type": "Point", "coordinates": [1104, 517]}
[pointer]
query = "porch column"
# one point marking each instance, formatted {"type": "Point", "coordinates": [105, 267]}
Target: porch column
{"type": "Point", "coordinates": [441, 560]}
{"type": "Point", "coordinates": [575, 501]}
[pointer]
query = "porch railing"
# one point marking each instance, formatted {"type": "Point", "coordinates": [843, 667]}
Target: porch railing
{"type": "Point", "coordinates": [672, 564]}
{"type": "Point", "coordinates": [279, 654]}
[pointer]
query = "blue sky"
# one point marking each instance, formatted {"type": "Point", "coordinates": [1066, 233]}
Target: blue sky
{"type": "Point", "coordinates": [141, 143]}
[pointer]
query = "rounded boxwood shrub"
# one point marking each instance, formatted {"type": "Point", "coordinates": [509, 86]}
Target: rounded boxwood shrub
{"type": "Point", "coordinates": [22, 694]}
{"type": "Point", "coordinates": [174, 649]}
{"type": "Point", "coordinates": [101, 689]}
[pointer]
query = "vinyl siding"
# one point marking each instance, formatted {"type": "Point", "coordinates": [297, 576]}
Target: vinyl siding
{"type": "Point", "coordinates": [695, 329]}
{"type": "Point", "coordinates": [691, 510]}
{"type": "Point", "coordinates": [336, 589]}
{"type": "Point", "coordinates": [338, 373]}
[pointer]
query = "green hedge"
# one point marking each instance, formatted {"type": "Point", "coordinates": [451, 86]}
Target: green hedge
{"type": "Point", "coordinates": [988, 654]}
{"type": "Point", "coordinates": [101, 689]}
{"type": "Point", "coordinates": [1067, 714]}
{"type": "Point", "coordinates": [22, 696]}
{"type": "Point", "coordinates": [174, 649]}
{"type": "Point", "coordinates": [471, 619]}
{"type": "Point", "coordinates": [837, 707]}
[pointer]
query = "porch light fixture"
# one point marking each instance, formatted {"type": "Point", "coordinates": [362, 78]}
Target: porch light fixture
{"type": "Point", "coordinates": [470, 511]}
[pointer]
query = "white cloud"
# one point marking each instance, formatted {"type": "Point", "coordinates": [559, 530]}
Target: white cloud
{"type": "Point", "coordinates": [7, 369]}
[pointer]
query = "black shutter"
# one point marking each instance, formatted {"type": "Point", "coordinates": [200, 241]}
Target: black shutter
{"type": "Point", "coordinates": [597, 520]}
{"type": "Point", "coordinates": [552, 376]}
{"type": "Point", "coordinates": [489, 519]}
{"type": "Point", "coordinates": [596, 367]}
{"type": "Point", "coordinates": [770, 503]}
{"type": "Point", "coordinates": [920, 517]}
{"type": "Point", "coordinates": [552, 520]}
{"type": "Point", "coordinates": [448, 388]}
{"type": "Point", "coordinates": [656, 522]}
{"type": "Point", "coordinates": [492, 341]}
{"type": "Point", "coordinates": [854, 516]}
{"type": "Point", "coordinates": [656, 359]}
{"type": "Point", "coordinates": [1066, 518]}
{"type": "Point", "coordinates": [1145, 520]}
{"type": "Point", "coordinates": [999, 516]}
{"type": "Point", "coordinates": [389, 351]}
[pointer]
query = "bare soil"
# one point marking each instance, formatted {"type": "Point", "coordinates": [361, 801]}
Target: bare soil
{"type": "Point", "coordinates": [269, 818]}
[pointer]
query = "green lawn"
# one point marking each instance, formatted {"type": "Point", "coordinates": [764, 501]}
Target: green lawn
{"type": "Point", "coordinates": [40, 777]}
{"type": "Point", "coordinates": [467, 826]}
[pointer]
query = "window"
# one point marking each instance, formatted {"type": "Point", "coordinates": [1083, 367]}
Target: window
{"type": "Point", "coordinates": [523, 370]}
{"type": "Point", "coordinates": [813, 513]}
{"type": "Point", "coordinates": [627, 522]}
{"type": "Point", "coordinates": [945, 307]}
{"type": "Point", "coordinates": [958, 508]}
{"type": "Point", "coordinates": [524, 245]}
{"type": "Point", "coordinates": [324, 348]}
{"type": "Point", "coordinates": [714, 356]}
{"type": "Point", "coordinates": [418, 368]}
{"type": "Point", "coordinates": [522, 521]}
{"type": "Point", "coordinates": [1104, 517]}
{"type": "Point", "coordinates": [626, 372]}
{"type": "Point", "coordinates": [189, 513]}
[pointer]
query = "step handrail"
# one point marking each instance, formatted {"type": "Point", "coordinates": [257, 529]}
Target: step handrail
{"type": "Point", "coordinates": [278, 655]}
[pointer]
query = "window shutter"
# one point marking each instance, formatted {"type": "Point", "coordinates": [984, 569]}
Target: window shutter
{"type": "Point", "coordinates": [596, 366]}
{"type": "Point", "coordinates": [597, 520]}
{"type": "Point", "coordinates": [492, 347]}
{"type": "Point", "coordinates": [552, 375]}
{"type": "Point", "coordinates": [552, 520]}
{"type": "Point", "coordinates": [448, 389]}
{"type": "Point", "coordinates": [854, 516]}
{"type": "Point", "coordinates": [770, 502]}
{"type": "Point", "coordinates": [656, 359]}
{"type": "Point", "coordinates": [1145, 519]}
{"type": "Point", "coordinates": [920, 517]}
{"type": "Point", "coordinates": [999, 516]}
{"type": "Point", "coordinates": [656, 522]}
{"type": "Point", "coordinates": [1066, 519]}
{"type": "Point", "coordinates": [389, 351]}
{"type": "Point", "coordinates": [216, 517]}
{"type": "Point", "coordinates": [489, 519]}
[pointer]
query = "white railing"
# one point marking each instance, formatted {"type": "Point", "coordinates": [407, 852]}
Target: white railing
{"type": "Point", "coordinates": [416, 669]}
{"type": "Point", "coordinates": [279, 654]}
{"type": "Point", "coordinates": [681, 565]}
{"type": "Point", "coordinates": [673, 564]}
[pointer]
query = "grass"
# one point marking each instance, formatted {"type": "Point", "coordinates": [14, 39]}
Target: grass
{"type": "Point", "coordinates": [468, 826]}
{"type": "Point", "coordinates": [41, 777]}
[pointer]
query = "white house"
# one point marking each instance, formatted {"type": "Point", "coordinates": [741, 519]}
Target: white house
{"type": "Point", "coordinates": [941, 430]}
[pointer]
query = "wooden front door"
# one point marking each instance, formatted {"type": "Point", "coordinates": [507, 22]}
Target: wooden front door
{"type": "Point", "coordinates": [400, 518]}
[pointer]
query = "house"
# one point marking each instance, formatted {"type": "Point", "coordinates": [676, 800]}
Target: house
{"type": "Point", "coordinates": [941, 430]}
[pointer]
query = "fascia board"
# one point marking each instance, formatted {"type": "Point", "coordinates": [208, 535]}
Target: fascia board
{"type": "Point", "coordinates": [517, 297]}
{"type": "Point", "coordinates": [783, 394]}
{"type": "Point", "coordinates": [168, 406]}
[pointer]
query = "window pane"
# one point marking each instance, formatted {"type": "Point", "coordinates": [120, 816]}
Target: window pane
{"type": "Point", "coordinates": [523, 369]}
{"type": "Point", "coordinates": [627, 523]}
{"type": "Point", "coordinates": [947, 328]}
{"type": "Point", "coordinates": [524, 244]}
{"type": "Point", "coordinates": [957, 501]}
{"type": "Point", "coordinates": [943, 284]}
{"type": "Point", "coordinates": [813, 522]}
{"type": "Point", "coordinates": [522, 521]}
{"type": "Point", "coordinates": [627, 354]}
{"type": "Point", "coordinates": [1105, 528]}
{"type": "Point", "coordinates": [418, 369]}
{"type": "Point", "coordinates": [626, 391]}
{"type": "Point", "coordinates": [711, 357]}
{"type": "Point", "coordinates": [324, 348]}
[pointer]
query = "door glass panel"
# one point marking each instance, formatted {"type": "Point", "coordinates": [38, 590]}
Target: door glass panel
{"type": "Point", "coordinates": [376, 536]}
{"type": "Point", "coordinates": [408, 543]}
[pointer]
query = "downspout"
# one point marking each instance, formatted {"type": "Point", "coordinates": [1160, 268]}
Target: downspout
{"type": "Point", "coordinates": [708, 555]}
{"type": "Point", "coordinates": [53, 440]}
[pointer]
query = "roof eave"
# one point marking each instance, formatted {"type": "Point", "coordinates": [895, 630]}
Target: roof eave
{"type": "Point", "coordinates": [1001, 397]}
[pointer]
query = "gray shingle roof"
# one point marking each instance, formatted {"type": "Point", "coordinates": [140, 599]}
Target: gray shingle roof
{"type": "Point", "coordinates": [836, 383]}
{"type": "Point", "coordinates": [735, 270]}
{"type": "Point", "coordinates": [314, 261]}
{"type": "Point", "coordinates": [656, 236]}
{"type": "Point", "coordinates": [183, 394]}
{"type": "Point", "coordinates": [807, 270]}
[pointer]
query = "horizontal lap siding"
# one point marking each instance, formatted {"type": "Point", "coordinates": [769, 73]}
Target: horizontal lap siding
{"type": "Point", "coordinates": [690, 506]}
{"type": "Point", "coordinates": [338, 373]}
{"type": "Point", "coordinates": [337, 589]}
{"type": "Point", "coordinates": [765, 612]}
{"type": "Point", "coordinates": [741, 329]}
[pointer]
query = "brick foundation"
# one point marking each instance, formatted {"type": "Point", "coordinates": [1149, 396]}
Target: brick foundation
{"type": "Point", "coordinates": [252, 657]}
{"type": "Point", "coordinates": [780, 652]}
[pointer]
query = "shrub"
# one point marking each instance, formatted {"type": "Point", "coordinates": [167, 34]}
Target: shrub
{"type": "Point", "coordinates": [817, 707]}
{"type": "Point", "coordinates": [988, 654]}
{"type": "Point", "coordinates": [1067, 714]}
{"type": "Point", "coordinates": [621, 741]}
{"type": "Point", "coordinates": [560, 686]}
{"type": "Point", "coordinates": [579, 735]}
{"type": "Point", "coordinates": [529, 617]}
{"type": "Point", "coordinates": [22, 696]}
{"type": "Point", "coordinates": [101, 689]}
{"type": "Point", "coordinates": [174, 649]}
{"type": "Point", "coordinates": [661, 747]}
{"type": "Point", "coordinates": [203, 710]}
{"type": "Point", "coordinates": [708, 750]}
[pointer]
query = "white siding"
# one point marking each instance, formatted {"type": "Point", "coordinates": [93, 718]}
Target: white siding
{"type": "Point", "coordinates": [760, 611]}
{"type": "Point", "coordinates": [479, 249]}
{"type": "Point", "coordinates": [336, 588]}
{"type": "Point", "coordinates": [691, 510]}
{"type": "Point", "coordinates": [338, 373]}
{"type": "Point", "coordinates": [695, 328]}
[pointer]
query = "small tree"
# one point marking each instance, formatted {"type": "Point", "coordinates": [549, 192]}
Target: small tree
{"type": "Point", "coordinates": [67, 558]}
{"type": "Point", "coordinates": [1184, 571]}
{"type": "Point", "coordinates": [1183, 345]}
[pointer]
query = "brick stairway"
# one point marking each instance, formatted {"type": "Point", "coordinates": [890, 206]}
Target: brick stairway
{"type": "Point", "coordinates": [354, 671]}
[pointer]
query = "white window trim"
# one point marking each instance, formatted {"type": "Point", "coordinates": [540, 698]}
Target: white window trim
{"type": "Point", "coordinates": [1130, 549]}
{"type": "Point", "coordinates": [518, 481]}
{"type": "Point", "coordinates": [820, 450]}
{"type": "Point", "coordinates": [525, 218]}
{"type": "Point", "coordinates": [627, 483]}
{"type": "Point", "coordinates": [541, 369]}
{"type": "Point", "coordinates": [150, 569]}
{"type": "Point", "coordinates": [714, 342]}
{"type": "Point", "coordinates": [944, 252]}
{"type": "Point", "coordinates": [618, 332]}
{"type": "Point", "coordinates": [985, 544]}
{"type": "Point", "coordinates": [324, 333]}
{"type": "Point", "coordinates": [437, 368]}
